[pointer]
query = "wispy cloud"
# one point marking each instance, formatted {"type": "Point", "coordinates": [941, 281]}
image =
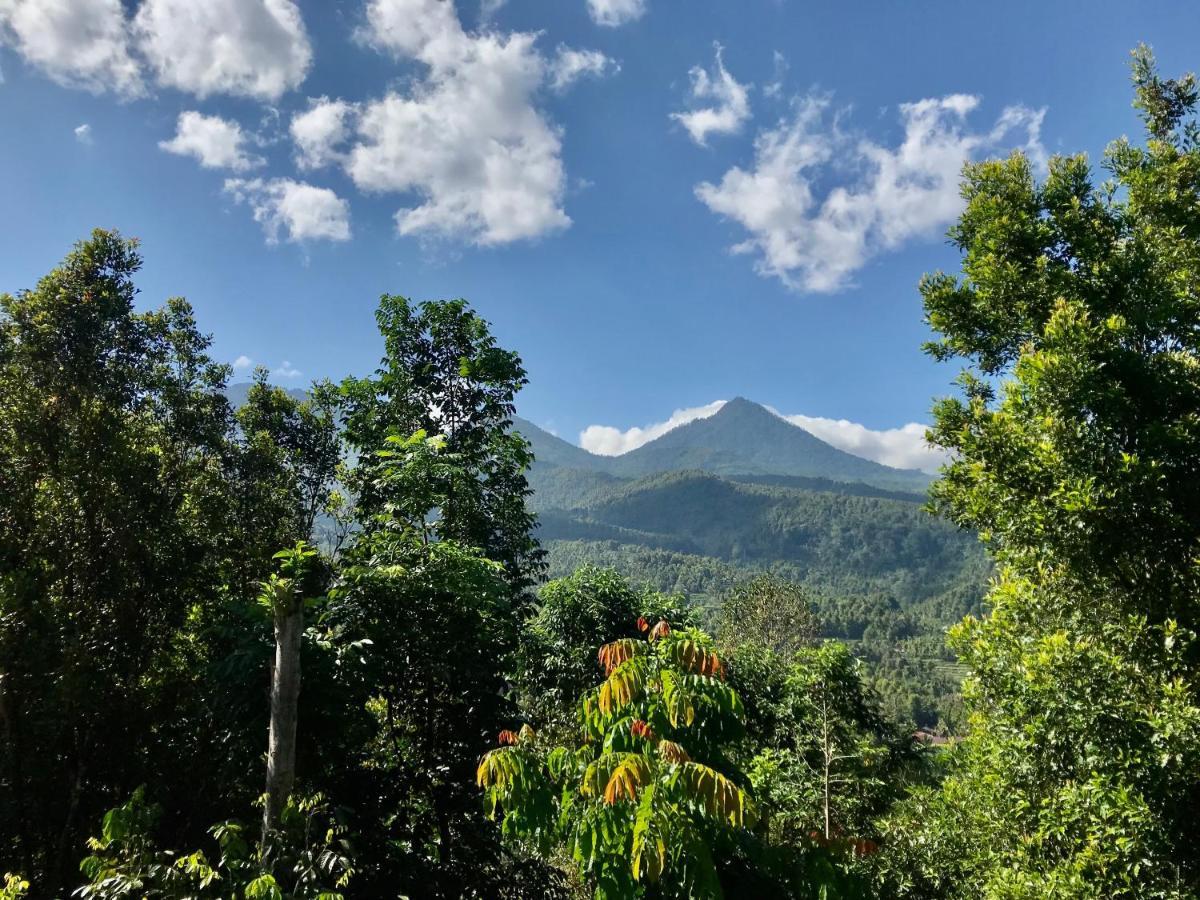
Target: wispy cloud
{"type": "Point", "coordinates": [720, 104]}
{"type": "Point", "coordinates": [818, 201]}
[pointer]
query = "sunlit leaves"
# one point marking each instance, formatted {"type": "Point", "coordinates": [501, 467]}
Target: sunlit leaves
{"type": "Point", "coordinates": [613, 654]}
{"type": "Point", "coordinates": [713, 793]}
{"type": "Point", "coordinates": [634, 806]}
{"type": "Point", "coordinates": [624, 685]}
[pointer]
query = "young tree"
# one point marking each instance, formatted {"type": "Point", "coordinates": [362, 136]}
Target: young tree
{"type": "Point", "coordinates": [1077, 314]}
{"type": "Point", "coordinates": [770, 612]}
{"type": "Point", "coordinates": [556, 662]}
{"type": "Point", "coordinates": [639, 804]}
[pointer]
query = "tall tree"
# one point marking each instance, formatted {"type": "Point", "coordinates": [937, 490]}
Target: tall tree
{"type": "Point", "coordinates": [444, 374]}
{"type": "Point", "coordinates": [112, 436]}
{"type": "Point", "coordinates": [1078, 315]}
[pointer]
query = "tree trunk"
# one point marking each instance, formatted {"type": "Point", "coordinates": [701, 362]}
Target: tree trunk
{"type": "Point", "coordinates": [285, 696]}
{"type": "Point", "coordinates": [828, 759]}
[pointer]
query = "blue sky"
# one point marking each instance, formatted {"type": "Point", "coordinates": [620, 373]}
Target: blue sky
{"type": "Point", "coordinates": [580, 170]}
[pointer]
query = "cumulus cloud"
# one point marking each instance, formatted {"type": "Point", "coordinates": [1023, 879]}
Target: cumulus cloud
{"type": "Point", "coordinates": [901, 448]}
{"type": "Point", "coordinates": [722, 105]}
{"type": "Point", "coordinates": [250, 48]}
{"type": "Point", "coordinates": [615, 12]}
{"type": "Point", "coordinates": [296, 210]}
{"type": "Point", "coordinates": [77, 43]}
{"type": "Point", "coordinates": [215, 142]}
{"type": "Point", "coordinates": [83, 133]}
{"type": "Point", "coordinates": [242, 363]}
{"type": "Point", "coordinates": [570, 65]}
{"type": "Point", "coordinates": [608, 441]}
{"type": "Point", "coordinates": [321, 131]}
{"type": "Point", "coordinates": [286, 370]}
{"type": "Point", "coordinates": [466, 138]}
{"type": "Point", "coordinates": [887, 195]}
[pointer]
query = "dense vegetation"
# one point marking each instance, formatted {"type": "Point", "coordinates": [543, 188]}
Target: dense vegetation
{"type": "Point", "coordinates": [195, 701]}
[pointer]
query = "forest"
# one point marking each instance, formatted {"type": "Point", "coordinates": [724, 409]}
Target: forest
{"type": "Point", "coordinates": [310, 647]}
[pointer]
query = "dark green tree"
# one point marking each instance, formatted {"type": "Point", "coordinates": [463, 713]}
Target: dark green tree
{"type": "Point", "coordinates": [113, 429]}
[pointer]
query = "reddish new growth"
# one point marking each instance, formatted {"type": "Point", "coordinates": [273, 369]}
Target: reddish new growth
{"type": "Point", "coordinates": [640, 729]}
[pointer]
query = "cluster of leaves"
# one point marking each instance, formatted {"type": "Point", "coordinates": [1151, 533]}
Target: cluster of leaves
{"type": "Point", "coordinates": [639, 801]}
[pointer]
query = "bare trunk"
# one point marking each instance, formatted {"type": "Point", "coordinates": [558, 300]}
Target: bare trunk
{"type": "Point", "coordinates": [828, 754]}
{"type": "Point", "coordinates": [285, 696]}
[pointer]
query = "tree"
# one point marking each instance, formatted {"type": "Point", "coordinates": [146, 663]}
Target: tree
{"type": "Point", "coordinates": [113, 428]}
{"type": "Point", "coordinates": [557, 649]}
{"type": "Point", "coordinates": [283, 596]}
{"type": "Point", "coordinates": [641, 802]}
{"type": "Point", "coordinates": [1077, 315]}
{"type": "Point", "coordinates": [444, 374]}
{"type": "Point", "coordinates": [770, 612]}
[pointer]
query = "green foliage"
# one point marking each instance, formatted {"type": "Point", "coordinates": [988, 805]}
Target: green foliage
{"type": "Point", "coordinates": [114, 434]}
{"type": "Point", "coordinates": [444, 374]}
{"type": "Point", "coordinates": [557, 653]}
{"type": "Point", "coordinates": [308, 860]}
{"type": "Point", "coordinates": [1075, 458]}
{"type": "Point", "coordinates": [769, 612]}
{"type": "Point", "coordinates": [640, 802]}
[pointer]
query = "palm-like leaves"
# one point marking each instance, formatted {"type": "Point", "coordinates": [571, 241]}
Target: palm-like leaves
{"type": "Point", "coordinates": [632, 799]}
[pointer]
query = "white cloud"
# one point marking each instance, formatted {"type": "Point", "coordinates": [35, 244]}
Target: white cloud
{"type": "Point", "coordinates": [615, 12]}
{"type": "Point", "coordinates": [729, 107]}
{"type": "Point", "coordinates": [321, 131]}
{"type": "Point", "coordinates": [608, 441]}
{"type": "Point", "coordinates": [489, 8]}
{"type": "Point", "coordinates": [242, 363]}
{"type": "Point", "coordinates": [250, 48]}
{"type": "Point", "coordinates": [83, 133]}
{"type": "Point", "coordinates": [901, 448]}
{"type": "Point", "coordinates": [286, 370]}
{"type": "Point", "coordinates": [466, 139]}
{"type": "Point", "coordinates": [570, 65]}
{"type": "Point", "coordinates": [901, 193]}
{"type": "Point", "coordinates": [215, 142]}
{"type": "Point", "coordinates": [302, 211]}
{"type": "Point", "coordinates": [77, 43]}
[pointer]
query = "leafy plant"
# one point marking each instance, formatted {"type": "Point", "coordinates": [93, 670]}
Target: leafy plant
{"type": "Point", "coordinates": [645, 796]}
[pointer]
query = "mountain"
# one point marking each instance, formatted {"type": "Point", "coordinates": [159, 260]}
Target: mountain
{"type": "Point", "coordinates": [551, 450]}
{"type": "Point", "coordinates": [742, 438]}
{"type": "Point", "coordinates": [715, 501]}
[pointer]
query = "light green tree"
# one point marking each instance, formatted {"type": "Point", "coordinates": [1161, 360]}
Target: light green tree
{"type": "Point", "coordinates": [1075, 456]}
